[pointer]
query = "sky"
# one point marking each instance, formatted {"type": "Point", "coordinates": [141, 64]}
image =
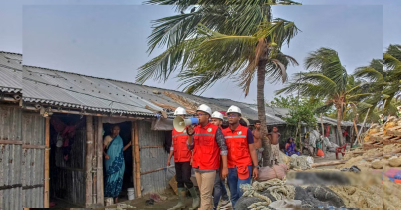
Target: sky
{"type": "Point", "coordinates": [108, 39]}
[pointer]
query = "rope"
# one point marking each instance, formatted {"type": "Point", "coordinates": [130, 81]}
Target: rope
{"type": "Point", "coordinates": [276, 188]}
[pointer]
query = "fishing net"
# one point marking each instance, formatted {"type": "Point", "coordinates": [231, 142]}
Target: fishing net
{"type": "Point", "coordinates": [301, 162]}
{"type": "Point", "coordinates": [261, 194]}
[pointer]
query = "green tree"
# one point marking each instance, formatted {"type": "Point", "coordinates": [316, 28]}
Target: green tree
{"type": "Point", "coordinates": [373, 74]}
{"type": "Point", "coordinates": [392, 64]}
{"type": "Point", "coordinates": [328, 78]}
{"type": "Point", "coordinates": [223, 40]}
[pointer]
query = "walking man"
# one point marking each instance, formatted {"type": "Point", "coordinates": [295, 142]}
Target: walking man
{"type": "Point", "coordinates": [274, 137]}
{"type": "Point", "coordinates": [182, 158]}
{"type": "Point", "coordinates": [208, 144]}
{"type": "Point", "coordinates": [258, 141]}
{"type": "Point", "coordinates": [219, 184]}
{"type": "Point", "coordinates": [241, 154]}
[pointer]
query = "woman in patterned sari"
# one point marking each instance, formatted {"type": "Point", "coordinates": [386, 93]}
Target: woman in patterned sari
{"type": "Point", "coordinates": [114, 162]}
{"type": "Point", "coordinates": [290, 147]}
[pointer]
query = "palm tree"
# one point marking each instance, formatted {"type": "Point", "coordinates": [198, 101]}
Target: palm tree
{"type": "Point", "coordinates": [328, 78]}
{"type": "Point", "coordinates": [222, 41]}
{"type": "Point", "coordinates": [373, 74]}
{"type": "Point", "coordinates": [392, 63]}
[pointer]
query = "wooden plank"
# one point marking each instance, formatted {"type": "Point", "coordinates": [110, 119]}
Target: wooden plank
{"type": "Point", "coordinates": [94, 178]}
{"type": "Point", "coordinates": [88, 162]}
{"type": "Point", "coordinates": [10, 142]}
{"type": "Point", "coordinates": [137, 161]}
{"type": "Point", "coordinates": [133, 157]}
{"type": "Point", "coordinates": [331, 163]}
{"type": "Point", "coordinates": [47, 164]}
{"type": "Point", "coordinates": [27, 146]}
{"type": "Point", "coordinates": [100, 186]}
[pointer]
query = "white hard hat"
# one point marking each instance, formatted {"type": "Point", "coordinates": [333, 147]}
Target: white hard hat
{"type": "Point", "coordinates": [180, 111]}
{"type": "Point", "coordinates": [205, 108]}
{"type": "Point", "coordinates": [234, 109]}
{"type": "Point", "coordinates": [218, 115]}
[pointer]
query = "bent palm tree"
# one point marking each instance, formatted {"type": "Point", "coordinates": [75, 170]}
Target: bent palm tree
{"type": "Point", "coordinates": [373, 74]}
{"type": "Point", "coordinates": [328, 79]}
{"type": "Point", "coordinates": [392, 62]}
{"type": "Point", "coordinates": [222, 41]}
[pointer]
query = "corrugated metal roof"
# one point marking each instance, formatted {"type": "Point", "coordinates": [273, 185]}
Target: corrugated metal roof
{"type": "Point", "coordinates": [66, 89]}
{"type": "Point", "coordinates": [59, 88]}
{"type": "Point", "coordinates": [80, 91]}
{"type": "Point", "coordinates": [10, 72]}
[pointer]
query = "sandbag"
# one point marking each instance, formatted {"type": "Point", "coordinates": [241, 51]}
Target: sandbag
{"type": "Point", "coordinates": [394, 161]}
{"type": "Point", "coordinates": [277, 171]}
{"type": "Point", "coordinates": [320, 153]}
{"type": "Point", "coordinates": [377, 164]}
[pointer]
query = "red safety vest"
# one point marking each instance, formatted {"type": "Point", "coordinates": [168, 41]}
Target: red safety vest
{"type": "Point", "coordinates": [238, 147]}
{"type": "Point", "coordinates": [181, 151]}
{"type": "Point", "coordinates": [206, 151]}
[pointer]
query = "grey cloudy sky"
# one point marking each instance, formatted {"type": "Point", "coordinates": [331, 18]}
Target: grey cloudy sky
{"type": "Point", "coordinates": [109, 39]}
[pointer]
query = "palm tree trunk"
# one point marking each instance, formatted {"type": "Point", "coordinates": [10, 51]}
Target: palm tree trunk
{"type": "Point", "coordinates": [262, 112]}
{"type": "Point", "coordinates": [339, 114]}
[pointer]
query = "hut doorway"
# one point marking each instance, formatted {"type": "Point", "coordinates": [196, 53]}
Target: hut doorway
{"type": "Point", "coordinates": [125, 134]}
{"type": "Point", "coordinates": [67, 161]}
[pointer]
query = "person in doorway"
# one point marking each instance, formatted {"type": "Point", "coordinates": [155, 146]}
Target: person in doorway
{"type": "Point", "coordinates": [114, 162]}
{"type": "Point", "coordinates": [274, 138]}
{"type": "Point", "coordinates": [182, 163]}
{"type": "Point", "coordinates": [219, 190]}
{"type": "Point", "coordinates": [290, 147]}
{"type": "Point", "coordinates": [258, 141]}
{"type": "Point", "coordinates": [208, 144]}
{"type": "Point", "coordinates": [241, 154]}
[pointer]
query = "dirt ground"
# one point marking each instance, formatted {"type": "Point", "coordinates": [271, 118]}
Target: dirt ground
{"type": "Point", "coordinates": [140, 203]}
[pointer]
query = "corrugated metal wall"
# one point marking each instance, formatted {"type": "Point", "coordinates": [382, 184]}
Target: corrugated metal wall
{"type": "Point", "coordinates": [10, 158]}
{"type": "Point", "coordinates": [69, 179]}
{"type": "Point", "coordinates": [152, 158]}
{"type": "Point", "coordinates": [33, 133]}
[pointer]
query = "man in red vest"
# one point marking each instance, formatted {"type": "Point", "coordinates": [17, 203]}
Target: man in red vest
{"type": "Point", "coordinates": [241, 154]}
{"type": "Point", "coordinates": [219, 190]}
{"type": "Point", "coordinates": [182, 158]}
{"type": "Point", "coordinates": [208, 144]}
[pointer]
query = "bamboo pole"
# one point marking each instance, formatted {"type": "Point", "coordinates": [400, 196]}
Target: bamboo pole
{"type": "Point", "coordinates": [331, 163]}
{"type": "Point", "coordinates": [137, 162]}
{"type": "Point", "coordinates": [47, 165]}
{"type": "Point", "coordinates": [356, 131]}
{"type": "Point", "coordinates": [100, 184]}
{"type": "Point", "coordinates": [363, 125]}
{"type": "Point", "coordinates": [88, 163]}
{"type": "Point", "coordinates": [148, 172]}
{"type": "Point", "coordinates": [94, 164]}
{"type": "Point", "coordinates": [321, 122]}
{"type": "Point", "coordinates": [133, 157]}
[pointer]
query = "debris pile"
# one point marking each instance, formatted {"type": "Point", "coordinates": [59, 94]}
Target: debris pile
{"type": "Point", "coordinates": [373, 163]}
